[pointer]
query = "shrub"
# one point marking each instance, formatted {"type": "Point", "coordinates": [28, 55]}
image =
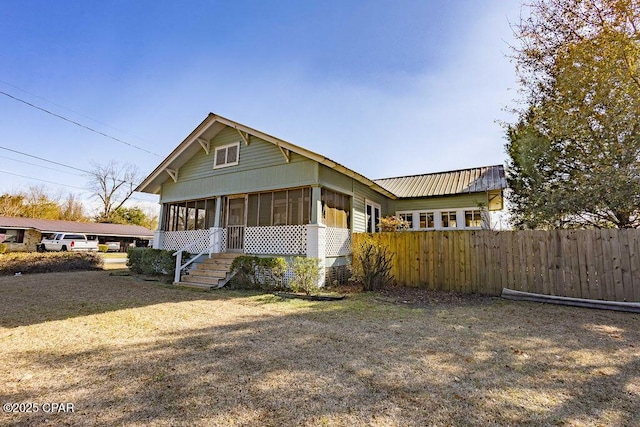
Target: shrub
{"type": "Point", "coordinates": [306, 275]}
{"type": "Point", "coordinates": [153, 262]}
{"type": "Point", "coordinates": [50, 262]}
{"type": "Point", "coordinates": [372, 264]}
{"type": "Point", "coordinates": [252, 272]}
{"type": "Point", "coordinates": [103, 248]}
{"type": "Point", "coordinates": [393, 223]}
{"type": "Point", "coordinates": [3, 248]}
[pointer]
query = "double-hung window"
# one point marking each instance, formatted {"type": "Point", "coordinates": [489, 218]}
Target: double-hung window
{"type": "Point", "coordinates": [473, 219]}
{"type": "Point", "coordinates": [227, 155]}
{"type": "Point", "coordinates": [449, 219]}
{"type": "Point", "coordinates": [373, 217]}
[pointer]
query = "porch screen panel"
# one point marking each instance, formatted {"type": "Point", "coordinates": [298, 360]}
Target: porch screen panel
{"type": "Point", "coordinates": [280, 208]}
{"type": "Point", "coordinates": [264, 217]}
{"type": "Point", "coordinates": [295, 207]}
{"type": "Point", "coordinates": [200, 214]}
{"type": "Point", "coordinates": [189, 215]}
{"type": "Point", "coordinates": [253, 205]}
{"type": "Point", "coordinates": [210, 213]}
{"type": "Point", "coordinates": [182, 218]}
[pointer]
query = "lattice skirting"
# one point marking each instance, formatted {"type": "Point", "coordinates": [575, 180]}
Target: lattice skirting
{"type": "Point", "coordinates": [276, 240]}
{"type": "Point", "coordinates": [174, 240]}
{"type": "Point", "coordinates": [338, 241]}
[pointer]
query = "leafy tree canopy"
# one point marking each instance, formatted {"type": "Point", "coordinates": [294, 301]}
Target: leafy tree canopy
{"type": "Point", "coordinates": [37, 203]}
{"type": "Point", "coordinates": [574, 153]}
{"type": "Point", "coordinates": [133, 215]}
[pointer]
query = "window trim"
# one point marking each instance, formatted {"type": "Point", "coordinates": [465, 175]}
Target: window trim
{"type": "Point", "coordinates": [415, 221]}
{"type": "Point", "coordinates": [455, 218]}
{"type": "Point", "coordinates": [460, 213]}
{"type": "Point", "coordinates": [226, 149]}
{"type": "Point", "coordinates": [375, 228]}
{"type": "Point", "coordinates": [480, 215]}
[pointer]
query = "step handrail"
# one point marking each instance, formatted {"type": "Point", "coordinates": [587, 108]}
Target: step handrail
{"type": "Point", "coordinates": [178, 253]}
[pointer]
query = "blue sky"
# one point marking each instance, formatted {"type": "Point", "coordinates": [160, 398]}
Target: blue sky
{"type": "Point", "coordinates": [387, 88]}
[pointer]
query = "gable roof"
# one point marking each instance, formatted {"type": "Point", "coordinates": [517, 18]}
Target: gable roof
{"type": "Point", "coordinates": [50, 226]}
{"type": "Point", "coordinates": [447, 183]}
{"type": "Point", "coordinates": [201, 137]}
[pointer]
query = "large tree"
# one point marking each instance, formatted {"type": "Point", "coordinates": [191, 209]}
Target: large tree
{"type": "Point", "coordinates": [575, 150]}
{"type": "Point", "coordinates": [113, 184]}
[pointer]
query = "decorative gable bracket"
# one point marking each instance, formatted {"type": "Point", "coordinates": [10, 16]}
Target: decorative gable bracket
{"type": "Point", "coordinates": [245, 136]}
{"type": "Point", "coordinates": [286, 153]}
{"type": "Point", "coordinates": [205, 144]}
{"type": "Point", "coordinates": [173, 173]}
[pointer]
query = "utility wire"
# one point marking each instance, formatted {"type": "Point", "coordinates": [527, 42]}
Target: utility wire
{"type": "Point", "coordinates": [70, 110]}
{"type": "Point", "coordinates": [60, 164]}
{"type": "Point", "coordinates": [43, 159]}
{"type": "Point", "coordinates": [78, 124]}
{"type": "Point", "coordinates": [38, 179]}
{"type": "Point", "coordinates": [40, 166]}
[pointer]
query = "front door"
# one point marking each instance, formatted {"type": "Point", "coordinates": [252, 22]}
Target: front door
{"type": "Point", "coordinates": [236, 220]}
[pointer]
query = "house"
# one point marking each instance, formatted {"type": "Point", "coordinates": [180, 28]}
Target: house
{"type": "Point", "coordinates": [230, 188]}
{"type": "Point", "coordinates": [24, 234]}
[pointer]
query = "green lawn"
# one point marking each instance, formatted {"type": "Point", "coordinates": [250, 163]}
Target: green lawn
{"type": "Point", "coordinates": [129, 352]}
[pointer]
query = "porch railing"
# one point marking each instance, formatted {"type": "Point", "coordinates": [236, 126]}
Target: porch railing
{"type": "Point", "coordinates": [215, 245]}
{"type": "Point", "coordinates": [235, 237]}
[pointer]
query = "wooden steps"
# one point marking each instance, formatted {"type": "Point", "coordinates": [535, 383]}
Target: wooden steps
{"type": "Point", "coordinates": [212, 273]}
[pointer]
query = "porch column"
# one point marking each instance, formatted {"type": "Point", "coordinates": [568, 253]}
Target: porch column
{"type": "Point", "coordinates": [316, 205]}
{"type": "Point", "coordinates": [158, 239]}
{"type": "Point", "coordinates": [218, 216]}
{"type": "Point", "coordinates": [317, 247]}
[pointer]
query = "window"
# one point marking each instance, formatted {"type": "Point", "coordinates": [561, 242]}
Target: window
{"type": "Point", "coordinates": [336, 209]}
{"type": "Point", "coordinates": [227, 155]}
{"type": "Point", "coordinates": [472, 219]}
{"type": "Point", "coordinates": [372, 217]}
{"type": "Point", "coordinates": [408, 217]}
{"type": "Point", "coordinates": [449, 219]}
{"type": "Point", "coordinates": [11, 236]}
{"type": "Point", "coordinates": [189, 215]}
{"type": "Point", "coordinates": [426, 220]}
{"type": "Point", "coordinates": [285, 207]}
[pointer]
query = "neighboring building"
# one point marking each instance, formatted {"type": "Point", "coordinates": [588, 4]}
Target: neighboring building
{"type": "Point", "coordinates": [230, 188]}
{"type": "Point", "coordinates": [24, 234]}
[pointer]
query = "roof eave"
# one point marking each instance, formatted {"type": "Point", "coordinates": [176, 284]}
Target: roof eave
{"type": "Point", "coordinates": [146, 185]}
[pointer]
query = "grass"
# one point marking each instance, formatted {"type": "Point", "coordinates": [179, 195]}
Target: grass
{"type": "Point", "coordinates": [126, 351]}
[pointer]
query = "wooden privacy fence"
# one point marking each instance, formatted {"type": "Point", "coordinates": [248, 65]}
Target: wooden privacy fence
{"type": "Point", "coordinates": [593, 264]}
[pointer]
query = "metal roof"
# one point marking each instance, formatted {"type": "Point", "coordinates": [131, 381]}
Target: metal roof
{"type": "Point", "coordinates": [447, 183]}
{"type": "Point", "coordinates": [93, 228]}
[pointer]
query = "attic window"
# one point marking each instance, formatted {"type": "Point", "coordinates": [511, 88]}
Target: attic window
{"type": "Point", "coordinates": [227, 155]}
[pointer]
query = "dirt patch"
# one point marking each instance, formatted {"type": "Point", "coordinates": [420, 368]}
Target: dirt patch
{"type": "Point", "coordinates": [418, 297]}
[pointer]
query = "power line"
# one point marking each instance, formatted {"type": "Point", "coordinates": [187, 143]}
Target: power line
{"type": "Point", "coordinates": [77, 124]}
{"type": "Point", "coordinates": [56, 163]}
{"type": "Point", "coordinates": [38, 179]}
{"type": "Point", "coordinates": [43, 159]}
{"type": "Point", "coordinates": [70, 110]}
{"type": "Point", "coordinates": [40, 166]}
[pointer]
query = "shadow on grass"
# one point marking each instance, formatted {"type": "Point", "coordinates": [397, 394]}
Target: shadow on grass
{"type": "Point", "coordinates": [36, 298]}
{"type": "Point", "coordinates": [356, 364]}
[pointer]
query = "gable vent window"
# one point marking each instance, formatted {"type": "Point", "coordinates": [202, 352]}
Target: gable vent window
{"type": "Point", "coordinates": [227, 155]}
